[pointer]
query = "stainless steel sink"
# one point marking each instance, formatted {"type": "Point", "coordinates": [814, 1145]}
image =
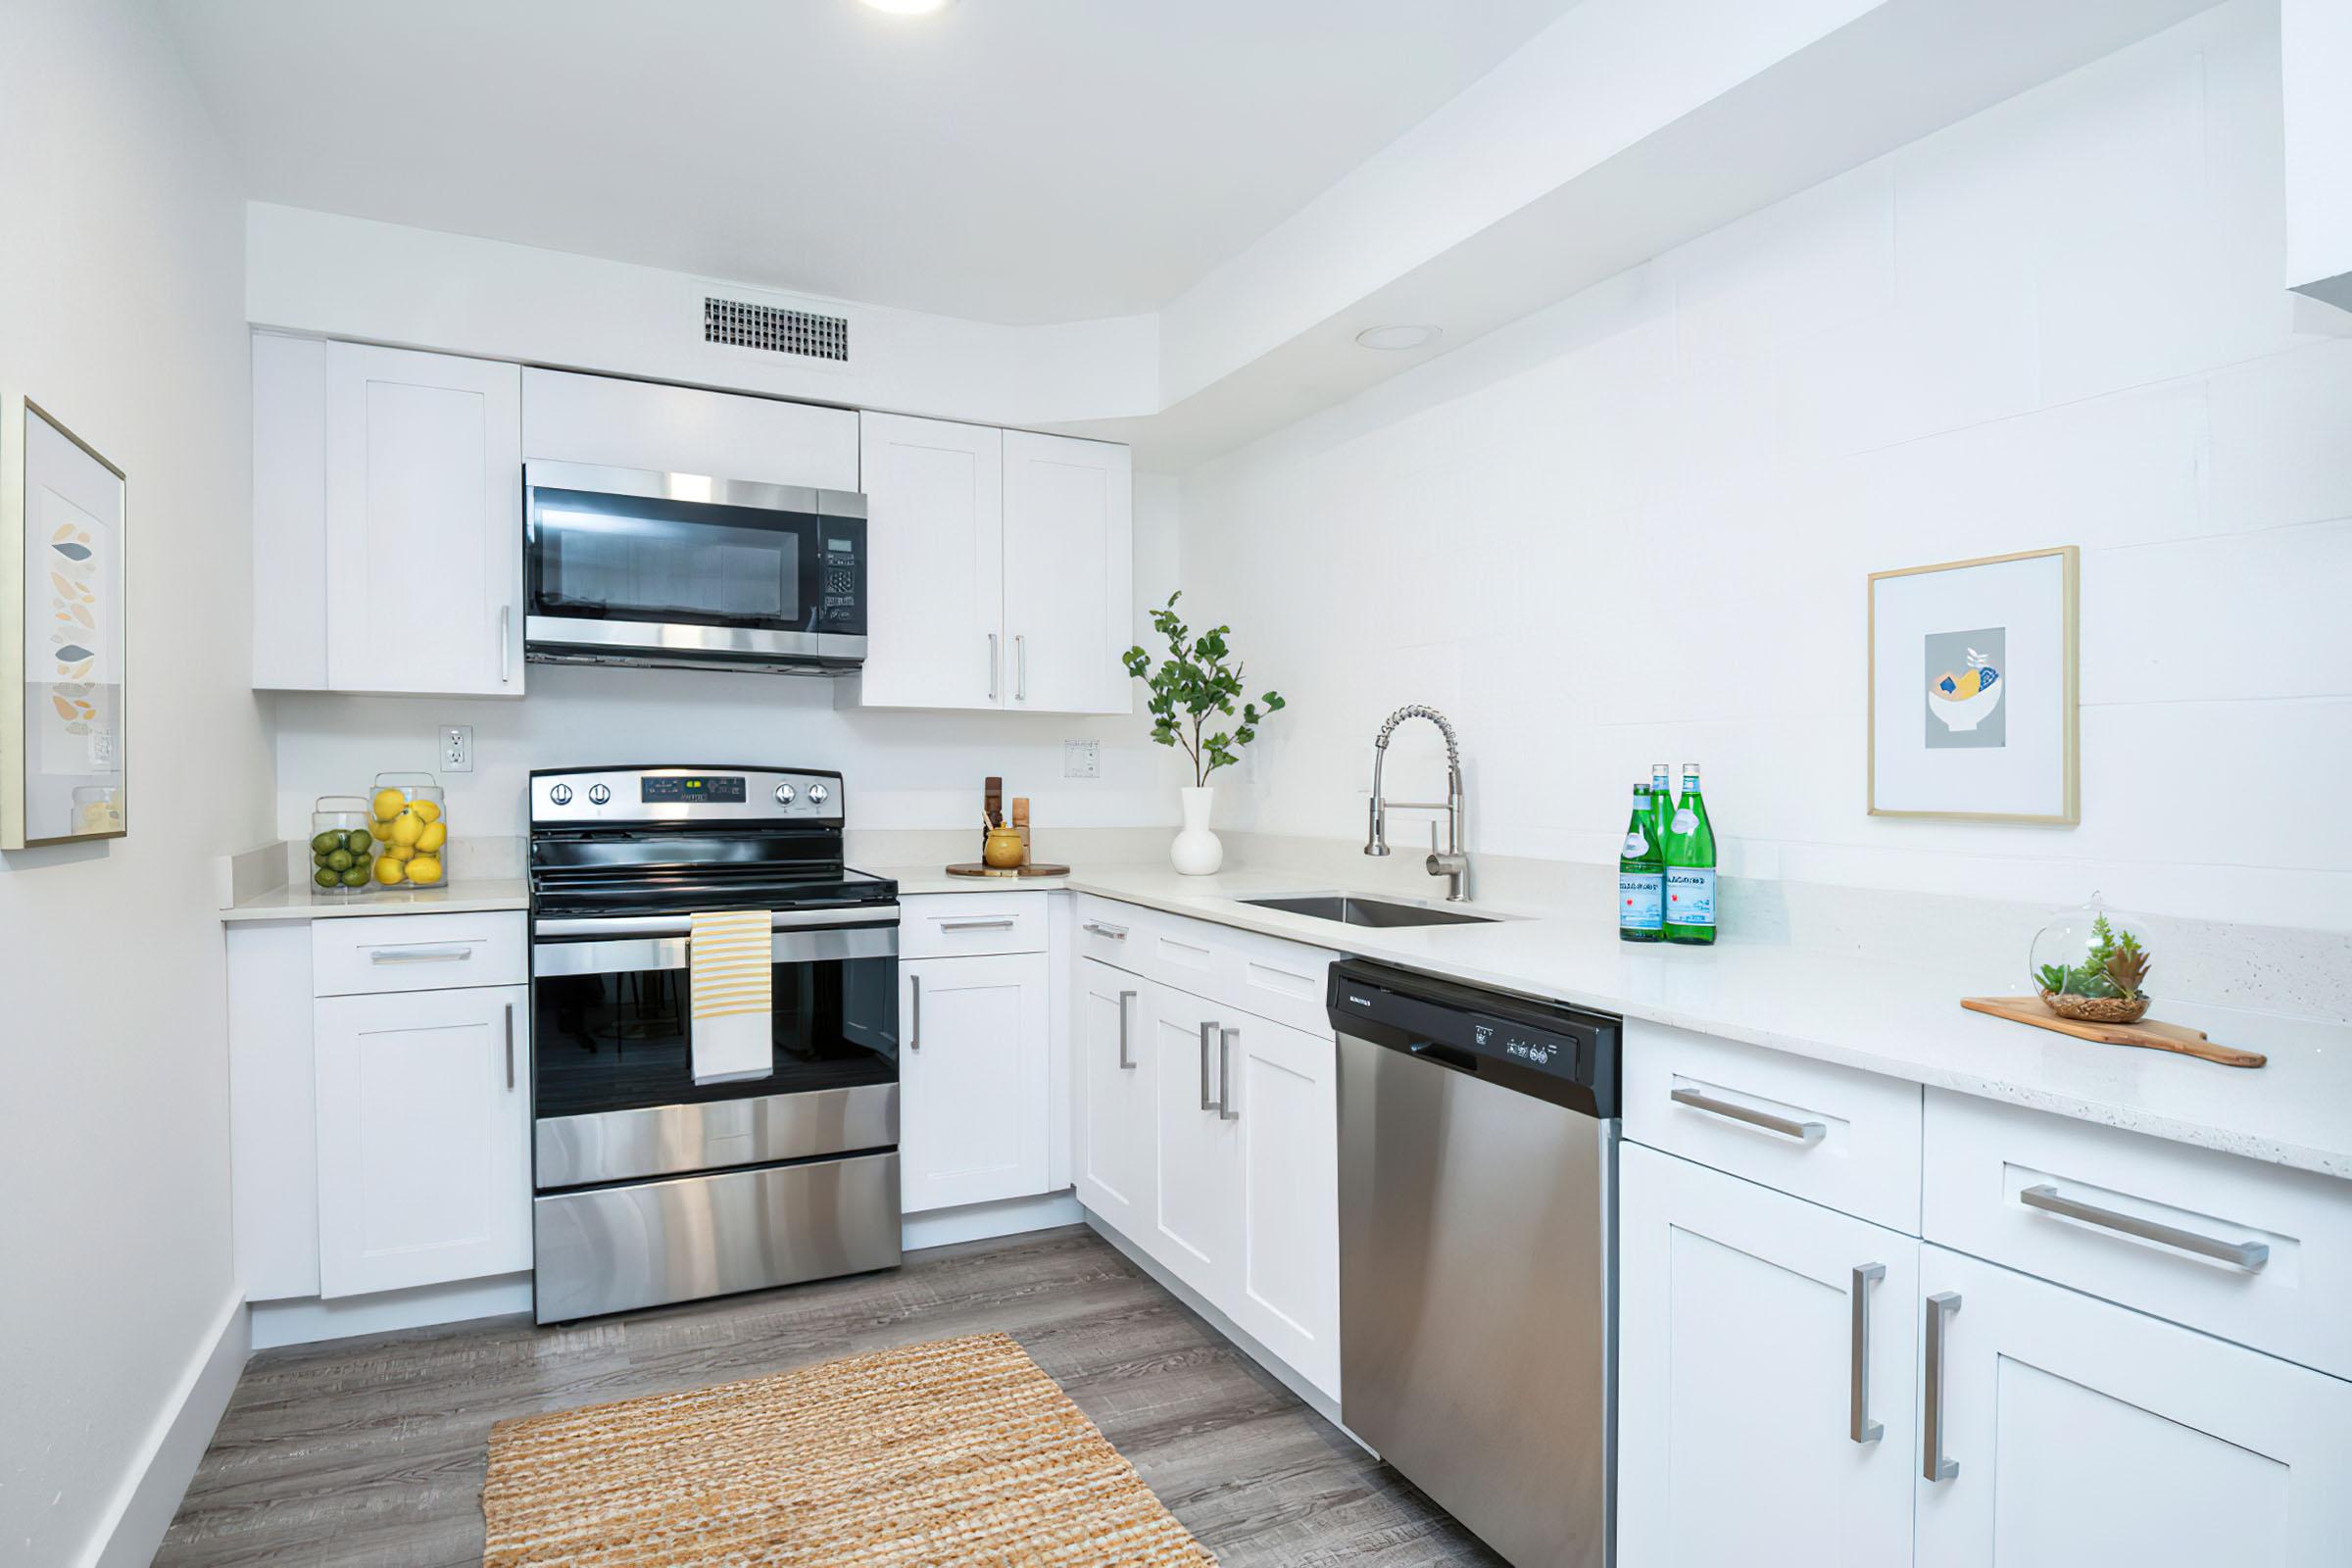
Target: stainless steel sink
{"type": "Point", "coordinates": [1350, 909]}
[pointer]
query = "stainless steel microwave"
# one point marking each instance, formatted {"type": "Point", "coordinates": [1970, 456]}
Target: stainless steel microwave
{"type": "Point", "coordinates": [626, 567]}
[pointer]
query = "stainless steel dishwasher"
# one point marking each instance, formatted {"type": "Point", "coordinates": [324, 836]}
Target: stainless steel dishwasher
{"type": "Point", "coordinates": [1478, 1250]}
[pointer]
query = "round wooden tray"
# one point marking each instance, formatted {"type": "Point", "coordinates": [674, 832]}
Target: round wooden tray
{"type": "Point", "coordinates": [977, 868]}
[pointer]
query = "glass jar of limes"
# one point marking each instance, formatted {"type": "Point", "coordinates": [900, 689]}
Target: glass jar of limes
{"type": "Point", "coordinates": [339, 844]}
{"type": "Point", "coordinates": [408, 820]}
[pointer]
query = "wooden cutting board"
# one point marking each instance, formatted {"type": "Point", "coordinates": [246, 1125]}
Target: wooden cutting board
{"type": "Point", "coordinates": [2147, 1032]}
{"type": "Point", "coordinates": [978, 868]}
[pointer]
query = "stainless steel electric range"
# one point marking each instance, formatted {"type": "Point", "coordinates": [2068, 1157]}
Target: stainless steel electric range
{"type": "Point", "coordinates": [650, 1186]}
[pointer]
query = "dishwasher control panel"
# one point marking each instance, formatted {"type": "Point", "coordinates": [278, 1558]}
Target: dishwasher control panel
{"type": "Point", "coordinates": [1561, 1054]}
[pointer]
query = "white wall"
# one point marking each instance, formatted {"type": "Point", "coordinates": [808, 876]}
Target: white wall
{"type": "Point", "coordinates": [120, 309]}
{"type": "Point", "coordinates": [1638, 527]}
{"type": "Point", "coordinates": [902, 769]}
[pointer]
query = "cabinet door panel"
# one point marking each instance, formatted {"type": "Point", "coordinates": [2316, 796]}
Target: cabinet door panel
{"type": "Point", "coordinates": [1286, 1093]}
{"type": "Point", "coordinates": [424, 1116]}
{"type": "Point", "coordinates": [1068, 589]}
{"type": "Point", "coordinates": [2083, 1432]}
{"type": "Point", "coordinates": [973, 1080]}
{"type": "Point", "coordinates": [423, 522]}
{"type": "Point", "coordinates": [935, 528]}
{"type": "Point", "coordinates": [1738, 1346]}
{"type": "Point", "coordinates": [1114, 1091]}
{"type": "Point", "coordinates": [1197, 1173]}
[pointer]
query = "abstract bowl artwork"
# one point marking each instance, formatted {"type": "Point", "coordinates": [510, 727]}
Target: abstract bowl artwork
{"type": "Point", "coordinates": [1962, 700]}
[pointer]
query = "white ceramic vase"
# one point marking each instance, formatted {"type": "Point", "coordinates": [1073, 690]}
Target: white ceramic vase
{"type": "Point", "coordinates": [1197, 851]}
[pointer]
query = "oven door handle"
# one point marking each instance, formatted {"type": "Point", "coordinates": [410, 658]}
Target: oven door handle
{"type": "Point", "coordinates": [677, 925]}
{"type": "Point", "coordinates": [651, 954]}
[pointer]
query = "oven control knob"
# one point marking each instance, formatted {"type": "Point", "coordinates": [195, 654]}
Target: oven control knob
{"type": "Point", "coordinates": [816, 794]}
{"type": "Point", "coordinates": [559, 795]}
{"type": "Point", "coordinates": [783, 794]}
{"type": "Point", "coordinates": [598, 794]}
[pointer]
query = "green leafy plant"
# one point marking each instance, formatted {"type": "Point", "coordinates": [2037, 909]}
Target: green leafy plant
{"type": "Point", "coordinates": [1196, 683]}
{"type": "Point", "coordinates": [2116, 965]}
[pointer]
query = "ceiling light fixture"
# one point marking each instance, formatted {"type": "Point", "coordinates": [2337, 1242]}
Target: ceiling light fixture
{"type": "Point", "coordinates": [911, 8]}
{"type": "Point", "coordinates": [1398, 337]}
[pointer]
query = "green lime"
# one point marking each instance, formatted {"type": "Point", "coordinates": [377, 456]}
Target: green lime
{"type": "Point", "coordinates": [340, 860]}
{"type": "Point", "coordinates": [356, 877]}
{"type": "Point", "coordinates": [356, 841]}
{"type": "Point", "coordinates": [325, 878]}
{"type": "Point", "coordinates": [327, 841]}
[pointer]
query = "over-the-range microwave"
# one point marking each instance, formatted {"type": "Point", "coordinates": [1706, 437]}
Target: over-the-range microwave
{"type": "Point", "coordinates": [626, 567]}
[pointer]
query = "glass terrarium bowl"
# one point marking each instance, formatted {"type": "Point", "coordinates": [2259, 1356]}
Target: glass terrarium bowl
{"type": "Point", "coordinates": [2088, 963]}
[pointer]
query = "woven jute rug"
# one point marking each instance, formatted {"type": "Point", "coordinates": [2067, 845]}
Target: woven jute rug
{"type": "Point", "coordinates": [960, 1451]}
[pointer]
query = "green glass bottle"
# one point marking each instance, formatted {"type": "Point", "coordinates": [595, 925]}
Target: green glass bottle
{"type": "Point", "coordinates": [1689, 850]}
{"type": "Point", "coordinates": [1640, 875]}
{"type": "Point", "coordinates": [1661, 803]}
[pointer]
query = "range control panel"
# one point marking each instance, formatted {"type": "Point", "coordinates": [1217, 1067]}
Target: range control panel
{"type": "Point", "coordinates": [613, 795]}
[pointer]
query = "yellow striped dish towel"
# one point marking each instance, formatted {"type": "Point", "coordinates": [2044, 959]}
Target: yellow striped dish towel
{"type": "Point", "coordinates": [728, 958]}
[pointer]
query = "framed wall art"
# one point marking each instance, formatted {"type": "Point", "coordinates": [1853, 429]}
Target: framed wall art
{"type": "Point", "coordinates": [62, 627]}
{"type": "Point", "coordinates": [1974, 670]}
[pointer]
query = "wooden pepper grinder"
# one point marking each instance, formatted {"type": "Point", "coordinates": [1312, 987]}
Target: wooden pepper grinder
{"type": "Point", "coordinates": [1021, 823]}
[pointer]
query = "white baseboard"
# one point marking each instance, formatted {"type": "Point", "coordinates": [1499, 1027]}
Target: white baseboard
{"type": "Point", "coordinates": [309, 1319]}
{"type": "Point", "coordinates": [1322, 1403]}
{"type": "Point", "coordinates": [1011, 1216]}
{"type": "Point", "coordinates": [149, 1495]}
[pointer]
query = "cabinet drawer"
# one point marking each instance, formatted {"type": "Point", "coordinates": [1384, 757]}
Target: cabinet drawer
{"type": "Point", "coordinates": [1846, 1140]}
{"type": "Point", "coordinates": [1116, 934]}
{"type": "Point", "coordinates": [948, 925]}
{"type": "Point", "coordinates": [2244, 1250]}
{"type": "Point", "coordinates": [363, 954]}
{"type": "Point", "coordinates": [1240, 971]}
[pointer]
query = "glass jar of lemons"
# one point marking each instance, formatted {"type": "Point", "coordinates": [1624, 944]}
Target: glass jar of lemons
{"type": "Point", "coordinates": [408, 819]}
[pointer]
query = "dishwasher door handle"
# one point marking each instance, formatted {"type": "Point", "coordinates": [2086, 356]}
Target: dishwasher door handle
{"type": "Point", "coordinates": [1443, 1056]}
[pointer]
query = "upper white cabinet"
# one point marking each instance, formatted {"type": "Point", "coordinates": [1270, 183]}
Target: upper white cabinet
{"type": "Point", "coordinates": [614, 423]}
{"type": "Point", "coordinates": [388, 521]}
{"type": "Point", "coordinates": [1003, 574]}
{"type": "Point", "coordinates": [2316, 61]}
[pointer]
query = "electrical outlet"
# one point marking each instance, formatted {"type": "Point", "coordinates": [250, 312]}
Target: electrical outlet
{"type": "Point", "coordinates": [456, 747]}
{"type": "Point", "coordinates": [1081, 760]}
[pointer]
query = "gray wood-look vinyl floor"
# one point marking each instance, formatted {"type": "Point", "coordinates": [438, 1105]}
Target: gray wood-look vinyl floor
{"type": "Point", "coordinates": [372, 1451]}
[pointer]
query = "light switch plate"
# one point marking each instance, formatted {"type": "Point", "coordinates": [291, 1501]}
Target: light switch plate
{"type": "Point", "coordinates": [456, 747]}
{"type": "Point", "coordinates": [1081, 760]}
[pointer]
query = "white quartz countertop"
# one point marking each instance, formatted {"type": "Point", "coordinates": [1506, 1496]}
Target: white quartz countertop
{"type": "Point", "coordinates": [304, 902]}
{"type": "Point", "coordinates": [1903, 1021]}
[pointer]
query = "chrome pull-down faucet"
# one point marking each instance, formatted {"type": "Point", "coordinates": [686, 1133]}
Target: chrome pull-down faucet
{"type": "Point", "coordinates": [1453, 861]}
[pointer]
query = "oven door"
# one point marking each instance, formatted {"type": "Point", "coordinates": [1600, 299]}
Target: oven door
{"type": "Point", "coordinates": [613, 1078]}
{"type": "Point", "coordinates": [675, 567]}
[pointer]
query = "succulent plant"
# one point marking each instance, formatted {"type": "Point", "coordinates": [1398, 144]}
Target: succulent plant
{"type": "Point", "coordinates": [2116, 965]}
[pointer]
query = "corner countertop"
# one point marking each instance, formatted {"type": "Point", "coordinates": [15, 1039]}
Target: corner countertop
{"type": "Point", "coordinates": [304, 902]}
{"type": "Point", "coordinates": [1900, 1020]}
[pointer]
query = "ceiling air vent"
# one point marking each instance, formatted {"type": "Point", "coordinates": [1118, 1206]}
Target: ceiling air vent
{"type": "Point", "coordinates": [806, 333]}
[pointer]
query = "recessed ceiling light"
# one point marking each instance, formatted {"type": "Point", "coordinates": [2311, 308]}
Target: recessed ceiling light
{"type": "Point", "coordinates": [1397, 337]}
{"type": "Point", "coordinates": [911, 8]}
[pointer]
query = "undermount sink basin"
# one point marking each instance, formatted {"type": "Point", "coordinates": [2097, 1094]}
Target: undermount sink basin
{"type": "Point", "coordinates": [1352, 910]}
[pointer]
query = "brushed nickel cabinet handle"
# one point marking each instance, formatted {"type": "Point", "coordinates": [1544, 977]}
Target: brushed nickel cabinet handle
{"type": "Point", "coordinates": [1208, 1032]}
{"type": "Point", "coordinates": [915, 1022]}
{"type": "Point", "coordinates": [1020, 666]}
{"type": "Point", "coordinates": [1005, 924]}
{"type": "Point", "coordinates": [419, 955]}
{"type": "Point", "coordinates": [2249, 1255]}
{"type": "Point", "coordinates": [1126, 1063]}
{"type": "Point", "coordinates": [510, 1045]}
{"type": "Point", "coordinates": [1225, 1040]}
{"type": "Point", "coordinates": [506, 645]}
{"type": "Point", "coordinates": [1804, 1132]}
{"type": "Point", "coordinates": [992, 666]}
{"type": "Point", "coordinates": [1934, 1466]}
{"type": "Point", "coordinates": [1117, 933]}
{"type": "Point", "coordinates": [1859, 1426]}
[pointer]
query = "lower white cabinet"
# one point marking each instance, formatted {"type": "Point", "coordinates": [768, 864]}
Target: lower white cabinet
{"type": "Point", "coordinates": [1115, 1094]}
{"type": "Point", "coordinates": [1284, 1093]}
{"type": "Point", "coordinates": [972, 1079]}
{"type": "Point", "coordinates": [423, 1122]}
{"type": "Point", "coordinates": [2071, 1431]}
{"type": "Point", "coordinates": [1766, 1383]}
{"type": "Point", "coordinates": [1195, 1222]}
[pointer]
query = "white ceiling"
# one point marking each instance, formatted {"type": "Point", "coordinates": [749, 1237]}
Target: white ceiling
{"type": "Point", "coordinates": [1013, 161]}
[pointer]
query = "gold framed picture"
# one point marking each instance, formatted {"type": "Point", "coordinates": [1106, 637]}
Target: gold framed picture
{"type": "Point", "coordinates": [1973, 690]}
{"type": "Point", "coordinates": [62, 634]}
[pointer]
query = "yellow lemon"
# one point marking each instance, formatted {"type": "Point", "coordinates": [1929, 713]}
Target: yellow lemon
{"type": "Point", "coordinates": [387, 805]}
{"type": "Point", "coordinates": [399, 851]}
{"type": "Point", "coordinates": [435, 835]}
{"type": "Point", "coordinates": [381, 832]}
{"type": "Point", "coordinates": [424, 868]}
{"type": "Point", "coordinates": [388, 871]}
{"type": "Point", "coordinates": [427, 809]}
{"type": "Point", "coordinates": [407, 829]}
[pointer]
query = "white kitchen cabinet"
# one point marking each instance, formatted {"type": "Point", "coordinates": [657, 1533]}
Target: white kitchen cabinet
{"type": "Point", "coordinates": [616, 423]}
{"type": "Point", "coordinates": [1001, 568]}
{"type": "Point", "coordinates": [935, 535]}
{"type": "Point", "coordinates": [1286, 1292]}
{"type": "Point", "coordinates": [1195, 1222]}
{"type": "Point", "coordinates": [2316, 56]}
{"type": "Point", "coordinates": [1766, 1376]}
{"type": "Point", "coordinates": [973, 1085]}
{"type": "Point", "coordinates": [424, 1125]}
{"type": "Point", "coordinates": [1115, 1094]}
{"type": "Point", "coordinates": [1069, 573]}
{"type": "Point", "coordinates": [2078, 1431]}
{"type": "Point", "coordinates": [423, 518]}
